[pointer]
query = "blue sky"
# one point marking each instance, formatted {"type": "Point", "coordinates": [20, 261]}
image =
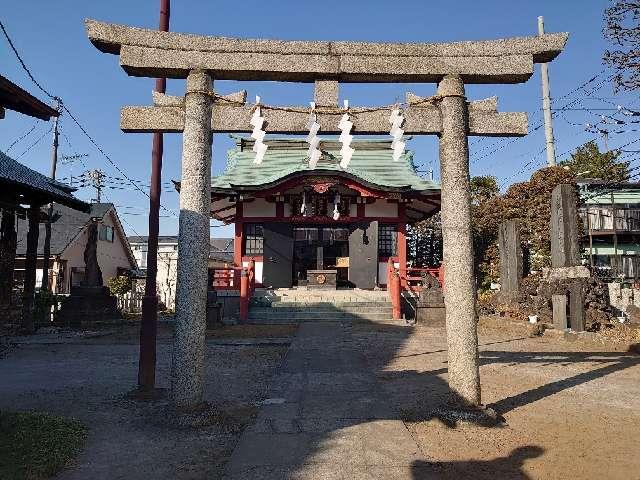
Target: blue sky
{"type": "Point", "coordinates": [51, 38]}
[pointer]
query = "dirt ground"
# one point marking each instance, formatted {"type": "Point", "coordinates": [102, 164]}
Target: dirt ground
{"type": "Point", "coordinates": [571, 409]}
{"type": "Point", "coordinates": [87, 376]}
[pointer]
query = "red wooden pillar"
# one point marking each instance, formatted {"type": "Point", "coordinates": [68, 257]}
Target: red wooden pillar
{"type": "Point", "coordinates": [244, 295]}
{"type": "Point", "coordinates": [395, 292]}
{"type": "Point", "coordinates": [237, 242]}
{"type": "Point", "coordinates": [402, 243]}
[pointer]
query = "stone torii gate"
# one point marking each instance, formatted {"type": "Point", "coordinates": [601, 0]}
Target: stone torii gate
{"type": "Point", "coordinates": [200, 59]}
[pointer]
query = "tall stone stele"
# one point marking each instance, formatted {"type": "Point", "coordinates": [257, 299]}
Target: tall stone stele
{"type": "Point", "coordinates": [567, 276]}
{"type": "Point", "coordinates": [511, 261]}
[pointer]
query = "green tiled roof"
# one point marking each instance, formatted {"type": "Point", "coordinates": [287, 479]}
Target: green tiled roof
{"type": "Point", "coordinates": [372, 163]}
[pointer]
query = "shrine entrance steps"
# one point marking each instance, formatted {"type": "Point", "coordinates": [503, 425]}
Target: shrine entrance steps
{"type": "Point", "coordinates": [280, 306]}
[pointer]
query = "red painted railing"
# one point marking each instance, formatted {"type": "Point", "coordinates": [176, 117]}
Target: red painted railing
{"type": "Point", "coordinates": [234, 278]}
{"type": "Point", "coordinates": [413, 276]}
{"type": "Point", "coordinates": [225, 278]}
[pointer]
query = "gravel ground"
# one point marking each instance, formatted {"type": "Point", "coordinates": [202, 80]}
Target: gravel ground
{"type": "Point", "coordinates": [88, 377]}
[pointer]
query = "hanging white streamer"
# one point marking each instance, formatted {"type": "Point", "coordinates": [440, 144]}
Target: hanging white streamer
{"type": "Point", "coordinates": [336, 202]}
{"type": "Point", "coordinates": [303, 207]}
{"type": "Point", "coordinates": [396, 120]}
{"type": "Point", "coordinates": [257, 121]}
{"type": "Point", "coordinates": [314, 152]}
{"type": "Point", "coordinates": [345, 126]}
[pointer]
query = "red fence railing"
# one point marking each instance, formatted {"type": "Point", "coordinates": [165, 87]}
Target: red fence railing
{"type": "Point", "coordinates": [236, 278]}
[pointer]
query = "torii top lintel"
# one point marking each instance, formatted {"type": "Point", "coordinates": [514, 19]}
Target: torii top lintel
{"type": "Point", "coordinates": [151, 53]}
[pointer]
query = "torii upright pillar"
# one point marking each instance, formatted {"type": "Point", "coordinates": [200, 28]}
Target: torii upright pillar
{"type": "Point", "coordinates": [457, 244]}
{"type": "Point", "coordinates": [187, 368]}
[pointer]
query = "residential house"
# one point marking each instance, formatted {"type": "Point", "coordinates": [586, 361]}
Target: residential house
{"type": "Point", "coordinates": [68, 241]}
{"type": "Point", "coordinates": [220, 254]}
{"type": "Point", "coordinates": [611, 226]}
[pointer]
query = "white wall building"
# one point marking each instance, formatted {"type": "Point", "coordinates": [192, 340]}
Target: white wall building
{"type": "Point", "coordinates": [221, 251]}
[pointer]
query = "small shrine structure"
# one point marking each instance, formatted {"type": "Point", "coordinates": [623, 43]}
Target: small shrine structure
{"type": "Point", "coordinates": [325, 227]}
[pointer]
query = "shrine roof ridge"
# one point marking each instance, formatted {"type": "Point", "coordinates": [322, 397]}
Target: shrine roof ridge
{"type": "Point", "coordinates": [145, 52]}
{"type": "Point", "coordinates": [372, 167]}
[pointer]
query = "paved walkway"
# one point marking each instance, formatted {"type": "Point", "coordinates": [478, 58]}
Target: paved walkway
{"type": "Point", "coordinates": [326, 417]}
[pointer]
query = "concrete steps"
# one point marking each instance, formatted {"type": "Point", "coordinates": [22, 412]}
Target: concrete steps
{"type": "Point", "coordinates": [298, 306]}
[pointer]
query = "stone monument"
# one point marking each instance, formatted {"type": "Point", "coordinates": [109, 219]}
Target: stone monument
{"type": "Point", "coordinates": [511, 260]}
{"type": "Point", "coordinates": [91, 302]}
{"type": "Point", "coordinates": [430, 309]}
{"type": "Point", "coordinates": [566, 277]}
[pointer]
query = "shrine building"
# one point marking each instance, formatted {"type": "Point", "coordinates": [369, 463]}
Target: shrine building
{"type": "Point", "coordinates": [323, 227]}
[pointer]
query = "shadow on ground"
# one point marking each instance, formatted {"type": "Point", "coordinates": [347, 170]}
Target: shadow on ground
{"type": "Point", "coordinates": [337, 406]}
{"type": "Point", "coordinates": [345, 390]}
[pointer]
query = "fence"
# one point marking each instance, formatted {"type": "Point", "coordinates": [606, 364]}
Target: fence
{"type": "Point", "coordinates": [131, 302]}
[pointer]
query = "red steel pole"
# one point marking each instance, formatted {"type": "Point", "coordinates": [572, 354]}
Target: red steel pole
{"type": "Point", "coordinates": [149, 324]}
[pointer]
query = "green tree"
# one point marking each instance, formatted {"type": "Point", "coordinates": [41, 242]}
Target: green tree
{"type": "Point", "coordinates": [622, 29]}
{"type": "Point", "coordinates": [119, 285]}
{"type": "Point", "coordinates": [589, 162]}
{"type": "Point", "coordinates": [483, 188]}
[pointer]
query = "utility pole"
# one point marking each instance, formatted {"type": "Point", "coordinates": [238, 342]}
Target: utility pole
{"type": "Point", "coordinates": [605, 138]}
{"type": "Point", "coordinates": [47, 226]}
{"type": "Point", "coordinates": [70, 159]}
{"type": "Point", "coordinates": [149, 324]}
{"type": "Point", "coordinates": [546, 105]}
{"type": "Point", "coordinates": [97, 177]}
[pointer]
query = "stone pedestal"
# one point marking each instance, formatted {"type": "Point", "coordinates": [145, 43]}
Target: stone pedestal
{"type": "Point", "coordinates": [430, 310]}
{"type": "Point", "coordinates": [87, 306]}
{"type": "Point", "coordinates": [560, 320]}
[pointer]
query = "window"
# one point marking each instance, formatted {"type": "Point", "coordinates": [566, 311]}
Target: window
{"type": "Point", "coordinates": [253, 239]}
{"type": "Point", "coordinates": [387, 240]}
{"type": "Point", "coordinates": [106, 233]}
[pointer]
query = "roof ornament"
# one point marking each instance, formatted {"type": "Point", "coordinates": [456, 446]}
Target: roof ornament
{"type": "Point", "coordinates": [312, 139]}
{"type": "Point", "coordinates": [257, 121]}
{"type": "Point", "coordinates": [345, 126]}
{"type": "Point", "coordinates": [396, 120]}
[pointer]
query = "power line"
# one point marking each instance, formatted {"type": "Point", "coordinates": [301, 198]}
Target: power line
{"type": "Point", "coordinates": [75, 120]}
{"type": "Point", "coordinates": [24, 135]}
{"type": "Point", "coordinates": [113, 164]}
{"type": "Point", "coordinates": [36, 142]}
{"type": "Point", "coordinates": [24, 66]}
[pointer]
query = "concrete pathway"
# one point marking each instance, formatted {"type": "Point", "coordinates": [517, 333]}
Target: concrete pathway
{"type": "Point", "coordinates": [326, 417]}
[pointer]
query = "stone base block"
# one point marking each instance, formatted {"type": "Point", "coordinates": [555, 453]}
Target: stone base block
{"type": "Point", "coordinates": [88, 306]}
{"type": "Point", "coordinates": [430, 315]}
